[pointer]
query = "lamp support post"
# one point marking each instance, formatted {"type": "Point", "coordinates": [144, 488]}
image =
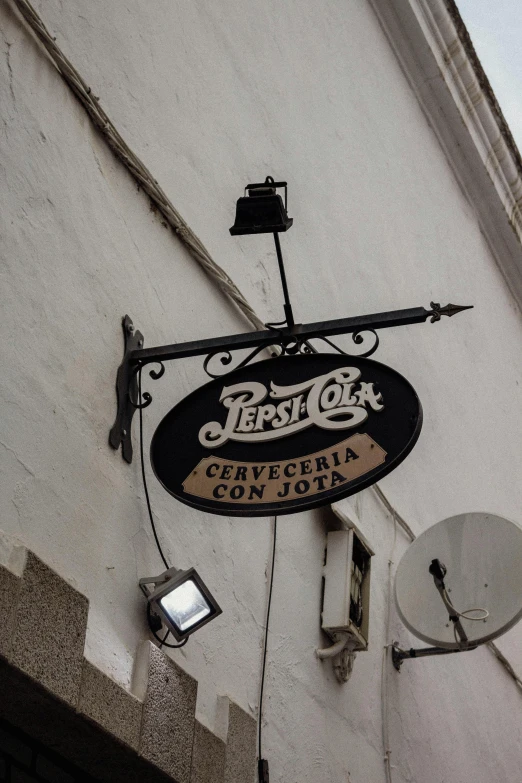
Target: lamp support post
{"type": "Point", "coordinates": [291, 338]}
{"type": "Point", "coordinates": [287, 306]}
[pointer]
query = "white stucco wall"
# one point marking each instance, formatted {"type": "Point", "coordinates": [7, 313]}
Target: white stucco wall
{"type": "Point", "coordinates": [211, 96]}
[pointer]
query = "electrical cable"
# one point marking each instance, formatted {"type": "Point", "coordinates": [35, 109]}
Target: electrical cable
{"type": "Point", "coordinates": [144, 478]}
{"type": "Point", "coordinates": [385, 718]}
{"type": "Point", "coordinates": [134, 165]}
{"type": "Point", "coordinates": [260, 711]}
{"type": "Point", "coordinates": [393, 512]}
{"type": "Point", "coordinates": [163, 642]}
{"type": "Point", "coordinates": [465, 613]}
{"type": "Point", "coordinates": [506, 664]}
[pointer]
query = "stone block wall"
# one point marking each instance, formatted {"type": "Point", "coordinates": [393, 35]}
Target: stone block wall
{"type": "Point", "coordinates": [50, 690]}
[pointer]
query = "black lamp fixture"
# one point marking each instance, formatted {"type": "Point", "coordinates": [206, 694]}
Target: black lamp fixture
{"type": "Point", "coordinates": [262, 212]}
{"type": "Point", "coordinates": [180, 600]}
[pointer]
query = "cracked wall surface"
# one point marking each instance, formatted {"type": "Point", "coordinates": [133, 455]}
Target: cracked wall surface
{"type": "Point", "coordinates": [213, 96]}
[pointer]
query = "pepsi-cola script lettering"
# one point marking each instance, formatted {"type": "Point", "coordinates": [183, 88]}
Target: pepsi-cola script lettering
{"type": "Point", "coordinates": [338, 400]}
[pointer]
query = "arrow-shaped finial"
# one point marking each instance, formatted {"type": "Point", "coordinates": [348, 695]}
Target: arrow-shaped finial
{"type": "Point", "coordinates": [450, 309]}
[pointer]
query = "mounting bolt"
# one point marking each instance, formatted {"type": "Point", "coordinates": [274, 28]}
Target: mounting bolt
{"type": "Point", "coordinates": [124, 433]}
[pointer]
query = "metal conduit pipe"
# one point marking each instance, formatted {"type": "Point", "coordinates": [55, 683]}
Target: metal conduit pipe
{"type": "Point", "coordinates": [335, 649]}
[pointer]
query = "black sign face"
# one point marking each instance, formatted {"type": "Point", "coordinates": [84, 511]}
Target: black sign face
{"type": "Point", "coordinates": [286, 435]}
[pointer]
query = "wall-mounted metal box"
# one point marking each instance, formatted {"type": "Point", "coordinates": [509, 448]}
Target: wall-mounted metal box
{"type": "Point", "coordinates": [346, 600]}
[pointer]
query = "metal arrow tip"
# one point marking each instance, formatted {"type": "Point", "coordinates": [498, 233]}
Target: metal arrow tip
{"type": "Point", "coordinates": [450, 309]}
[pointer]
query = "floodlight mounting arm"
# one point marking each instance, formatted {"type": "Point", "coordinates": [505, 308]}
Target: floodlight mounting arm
{"type": "Point", "coordinates": [145, 582]}
{"type": "Point", "coordinates": [291, 339]}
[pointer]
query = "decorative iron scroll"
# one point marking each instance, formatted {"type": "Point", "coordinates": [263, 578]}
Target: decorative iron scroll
{"type": "Point", "coordinates": [357, 338]}
{"type": "Point", "coordinates": [287, 347]}
{"type": "Point", "coordinates": [226, 359]}
{"type": "Point", "coordinates": [145, 399]}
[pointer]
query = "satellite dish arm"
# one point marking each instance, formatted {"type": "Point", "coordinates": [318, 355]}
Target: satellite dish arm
{"type": "Point", "coordinates": [399, 655]}
{"type": "Point", "coordinates": [438, 571]}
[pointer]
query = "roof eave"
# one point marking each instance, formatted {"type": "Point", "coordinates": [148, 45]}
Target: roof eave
{"type": "Point", "coordinates": [435, 52]}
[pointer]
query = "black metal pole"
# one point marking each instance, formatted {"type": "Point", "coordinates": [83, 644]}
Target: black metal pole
{"type": "Point", "coordinates": [414, 315]}
{"type": "Point", "coordinates": [287, 306]}
{"type": "Point", "coordinates": [398, 655]}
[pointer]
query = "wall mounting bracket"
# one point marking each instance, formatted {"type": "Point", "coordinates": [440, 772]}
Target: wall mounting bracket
{"type": "Point", "coordinates": [126, 390]}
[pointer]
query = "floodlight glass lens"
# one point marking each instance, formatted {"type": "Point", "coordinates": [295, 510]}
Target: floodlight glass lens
{"type": "Point", "coordinates": [185, 605]}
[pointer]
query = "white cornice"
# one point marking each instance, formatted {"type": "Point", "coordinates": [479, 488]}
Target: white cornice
{"type": "Point", "coordinates": [436, 55]}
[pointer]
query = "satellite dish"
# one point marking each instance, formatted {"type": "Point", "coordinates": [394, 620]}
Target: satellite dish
{"type": "Point", "coordinates": [468, 566]}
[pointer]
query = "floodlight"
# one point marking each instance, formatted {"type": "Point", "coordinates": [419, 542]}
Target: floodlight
{"type": "Point", "coordinates": [181, 600]}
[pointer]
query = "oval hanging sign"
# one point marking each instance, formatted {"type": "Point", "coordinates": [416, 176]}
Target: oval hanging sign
{"type": "Point", "coordinates": [286, 435]}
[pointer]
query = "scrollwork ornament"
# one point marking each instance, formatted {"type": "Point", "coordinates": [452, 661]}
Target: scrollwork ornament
{"type": "Point", "coordinates": [290, 346]}
{"type": "Point", "coordinates": [157, 374]}
{"type": "Point", "coordinates": [294, 345]}
{"type": "Point", "coordinates": [225, 358]}
{"type": "Point", "coordinates": [358, 338]}
{"type": "Point", "coordinates": [145, 399]}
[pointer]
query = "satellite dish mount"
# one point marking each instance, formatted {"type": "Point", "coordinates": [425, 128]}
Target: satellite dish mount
{"type": "Point", "coordinates": [469, 560]}
{"type": "Point", "coordinates": [438, 571]}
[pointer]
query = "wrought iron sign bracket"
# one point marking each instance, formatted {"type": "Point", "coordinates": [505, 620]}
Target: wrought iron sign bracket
{"type": "Point", "coordinates": [291, 339]}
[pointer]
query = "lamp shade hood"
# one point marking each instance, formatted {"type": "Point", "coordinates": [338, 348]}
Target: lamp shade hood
{"type": "Point", "coordinates": [262, 211]}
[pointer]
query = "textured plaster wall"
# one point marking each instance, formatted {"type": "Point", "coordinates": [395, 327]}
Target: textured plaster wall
{"type": "Point", "coordinates": [214, 95]}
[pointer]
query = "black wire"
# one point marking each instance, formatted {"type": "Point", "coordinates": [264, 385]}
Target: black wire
{"type": "Point", "coordinates": [145, 478]}
{"type": "Point", "coordinates": [162, 642]}
{"type": "Point", "coordinates": [260, 712]}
